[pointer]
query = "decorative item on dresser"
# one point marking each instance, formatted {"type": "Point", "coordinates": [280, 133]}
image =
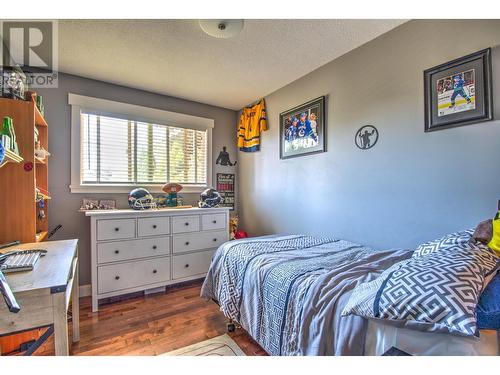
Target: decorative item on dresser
{"type": "Point", "coordinates": [139, 250]}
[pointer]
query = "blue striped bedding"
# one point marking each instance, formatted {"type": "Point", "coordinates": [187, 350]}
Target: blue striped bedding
{"type": "Point", "coordinates": [288, 291]}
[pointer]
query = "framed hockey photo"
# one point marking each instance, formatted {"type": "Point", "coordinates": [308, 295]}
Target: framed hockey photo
{"type": "Point", "coordinates": [459, 92]}
{"type": "Point", "coordinates": [302, 129]}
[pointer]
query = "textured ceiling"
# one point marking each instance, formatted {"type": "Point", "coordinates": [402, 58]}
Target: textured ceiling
{"type": "Point", "coordinates": [175, 57]}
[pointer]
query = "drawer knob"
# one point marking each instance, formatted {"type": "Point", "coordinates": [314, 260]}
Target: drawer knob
{"type": "Point", "coordinates": [215, 239]}
{"type": "Point", "coordinates": [117, 251]}
{"type": "Point", "coordinates": [187, 266]}
{"type": "Point", "coordinates": [154, 226]}
{"type": "Point", "coordinates": [117, 277]}
{"type": "Point", "coordinates": [187, 243]}
{"type": "Point", "coordinates": [154, 271]}
{"type": "Point", "coordinates": [215, 221]}
{"type": "Point", "coordinates": [117, 229]}
{"type": "Point", "coordinates": [154, 247]}
{"type": "Point", "coordinates": [186, 224]}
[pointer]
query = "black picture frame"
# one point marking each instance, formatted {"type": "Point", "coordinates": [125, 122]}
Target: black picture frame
{"type": "Point", "coordinates": [300, 144]}
{"type": "Point", "coordinates": [467, 79]}
{"type": "Point", "coordinates": [225, 187]}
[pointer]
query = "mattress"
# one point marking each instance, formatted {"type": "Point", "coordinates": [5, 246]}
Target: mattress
{"type": "Point", "coordinates": [381, 337]}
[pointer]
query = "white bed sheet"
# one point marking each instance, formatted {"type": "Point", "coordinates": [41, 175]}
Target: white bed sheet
{"type": "Point", "coordinates": [381, 337]}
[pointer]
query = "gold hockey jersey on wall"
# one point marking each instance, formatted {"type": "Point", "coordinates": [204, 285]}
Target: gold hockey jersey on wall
{"type": "Point", "coordinates": [252, 122]}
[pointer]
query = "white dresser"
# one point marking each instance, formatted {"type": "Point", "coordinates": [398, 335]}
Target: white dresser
{"type": "Point", "coordinates": [139, 250]}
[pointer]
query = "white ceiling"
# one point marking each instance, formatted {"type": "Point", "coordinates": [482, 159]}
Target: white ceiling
{"type": "Point", "coordinates": [175, 57]}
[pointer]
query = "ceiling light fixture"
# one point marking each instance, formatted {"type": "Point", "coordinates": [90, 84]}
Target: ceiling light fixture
{"type": "Point", "coordinates": [222, 28]}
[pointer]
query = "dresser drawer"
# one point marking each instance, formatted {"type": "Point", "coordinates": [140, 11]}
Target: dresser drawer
{"type": "Point", "coordinates": [213, 221]}
{"type": "Point", "coordinates": [132, 249]}
{"type": "Point", "coordinates": [198, 241]}
{"type": "Point", "coordinates": [115, 277]}
{"type": "Point", "coordinates": [115, 229]}
{"type": "Point", "coordinates": [188, 265]}
{"type": "Point", "coordinates": [153, 226]}
{"type": "Point", "coordinates": [183, 224]}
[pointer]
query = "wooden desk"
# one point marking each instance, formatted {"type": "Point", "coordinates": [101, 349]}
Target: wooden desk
{"type": "Point", "coordinates": [45, 292]}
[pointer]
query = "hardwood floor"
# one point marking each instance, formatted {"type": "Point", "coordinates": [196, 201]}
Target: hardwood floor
{"type": "Point", "coordinates": [151, 325]}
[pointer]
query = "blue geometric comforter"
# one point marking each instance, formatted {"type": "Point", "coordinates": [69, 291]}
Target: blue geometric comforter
{"type": "Point", "coordinates": [288, 291]}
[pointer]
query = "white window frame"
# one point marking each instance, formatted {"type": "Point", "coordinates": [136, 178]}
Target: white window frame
{"type": "Point", "coordinates": [80, 103]}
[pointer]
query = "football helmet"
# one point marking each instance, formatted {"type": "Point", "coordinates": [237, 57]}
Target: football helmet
{"type": "Point", "coordinates": [210, 198]}
{"type": "Point", "coordinates": [141, 199]}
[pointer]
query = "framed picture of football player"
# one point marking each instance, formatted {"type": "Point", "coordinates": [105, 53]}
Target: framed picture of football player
{"type": "Point", "coordinates": [303, 130]}
{"type": "Point", "coordinates": [459, 92]}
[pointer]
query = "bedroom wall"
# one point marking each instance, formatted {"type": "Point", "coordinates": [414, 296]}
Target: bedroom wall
{"type": "Point", "coordinates": [64, 205]}
{"type": "Point", "coordinates": [412, 186]}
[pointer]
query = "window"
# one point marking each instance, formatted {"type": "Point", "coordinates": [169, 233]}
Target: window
{"type": "Point", "coordinates": [117, 151]}
{"type": "Point", "coordinates": [120, 151]}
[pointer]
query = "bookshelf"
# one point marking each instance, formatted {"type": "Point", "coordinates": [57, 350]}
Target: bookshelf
{"type": "Point", "coordinates": [21, 176]}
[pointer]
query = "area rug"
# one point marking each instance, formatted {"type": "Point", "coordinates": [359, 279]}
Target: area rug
{"type": "Point", "coordinates": [222, 346]}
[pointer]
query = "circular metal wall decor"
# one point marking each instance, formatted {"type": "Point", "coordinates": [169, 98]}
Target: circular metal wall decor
{"type": "Point", "coordinates": [366, 137]}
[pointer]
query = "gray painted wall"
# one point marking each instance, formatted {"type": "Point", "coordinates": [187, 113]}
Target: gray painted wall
{"type": "Point", "coordinates": [64, 205]}
{"type": "Point", "coordinates": [412, 186]}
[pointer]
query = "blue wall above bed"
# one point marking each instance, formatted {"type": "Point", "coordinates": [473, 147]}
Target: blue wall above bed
{"type": "Point", "coordinates": [412, 186]}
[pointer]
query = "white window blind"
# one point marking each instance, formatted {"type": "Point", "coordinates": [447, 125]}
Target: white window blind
{"type": "Point", "coordinates": [125, 152]}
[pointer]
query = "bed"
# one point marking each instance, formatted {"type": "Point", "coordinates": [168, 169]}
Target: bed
{"type": "Point", "coordinates": [288, 292]}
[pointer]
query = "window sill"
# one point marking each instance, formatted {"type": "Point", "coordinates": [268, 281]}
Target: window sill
{"type": "Point", "coordinates": [124, 189]}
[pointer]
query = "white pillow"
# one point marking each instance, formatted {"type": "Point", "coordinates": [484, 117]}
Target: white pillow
{"type": "Point", "coordinates": [452, 239]}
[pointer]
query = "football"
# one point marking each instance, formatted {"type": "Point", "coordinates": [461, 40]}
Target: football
{"type": "Point", "coordinates": [172, 187]}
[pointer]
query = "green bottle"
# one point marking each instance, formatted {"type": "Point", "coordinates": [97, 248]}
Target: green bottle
{"type": "Point", "coordinates": [7, 124]}
{"type": "Point", "coordinates": [39, 103]}
{"type": "Point", "coordinates": [8, 130]}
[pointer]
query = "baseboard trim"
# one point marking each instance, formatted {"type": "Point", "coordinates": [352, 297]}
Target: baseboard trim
{"type": "Point", "coordinates": [85, 290]}
{"type": "Point", "coordinates": [160, 289]}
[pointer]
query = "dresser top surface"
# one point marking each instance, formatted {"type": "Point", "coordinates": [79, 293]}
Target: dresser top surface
{"type": "Point", "coordinates": [149, 212]}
